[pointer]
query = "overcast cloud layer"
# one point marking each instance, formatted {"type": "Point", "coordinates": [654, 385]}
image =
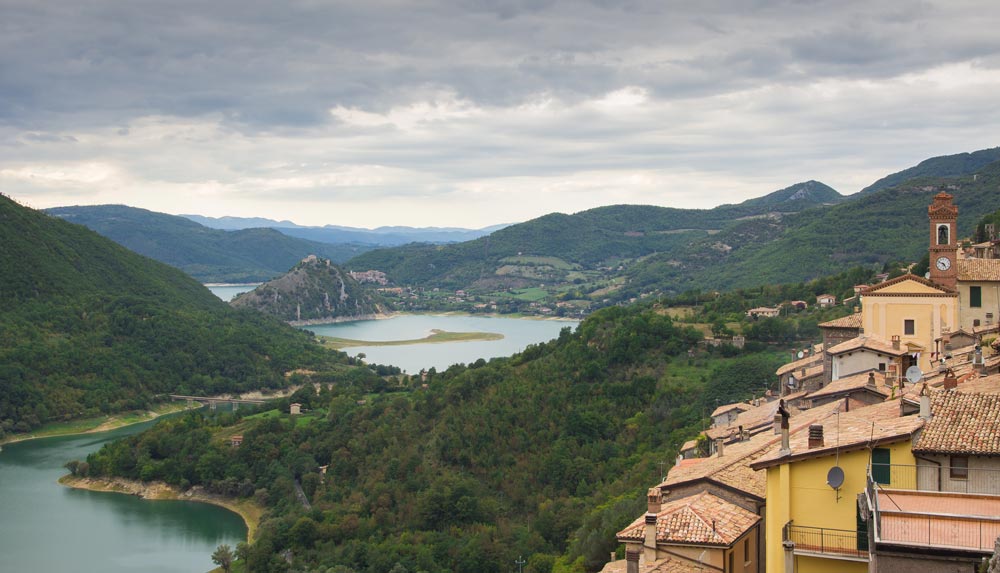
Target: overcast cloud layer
{"type": "Point", "coordinates": [475, 112]}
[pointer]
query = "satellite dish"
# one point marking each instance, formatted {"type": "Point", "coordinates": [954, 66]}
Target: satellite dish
{"type": "Point", "coordinates": [914, 375]}
{"type": "Point", "coordinates": [800, 354]}
{"type": "Point", "coordinates": [835, 477]}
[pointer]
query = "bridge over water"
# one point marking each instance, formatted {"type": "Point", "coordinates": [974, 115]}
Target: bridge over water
{"type": "Point", "coordinates": [213, 401]}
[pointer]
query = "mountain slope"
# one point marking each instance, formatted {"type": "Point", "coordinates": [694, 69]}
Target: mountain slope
{"type": "Point", "coordinates": [601, 237]}
{"type": "Point", "coordinates": [315, 289]}
{"type": "Point", "coordinates": [940, 167]}
{"type": "Point", "coordinates": [209, 255]}
{"type": "Point", "coordinates": [89, 327]}
{"type": "Point", "coordinates": [878, 227]}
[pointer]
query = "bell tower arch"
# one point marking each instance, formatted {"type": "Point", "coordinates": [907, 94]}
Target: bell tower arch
{"type": "Point", "coordinates": [943, 217]}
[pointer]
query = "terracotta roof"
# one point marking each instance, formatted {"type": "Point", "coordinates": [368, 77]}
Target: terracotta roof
{"type": "Point", "coordinates": [880, 423]}
{"type": "Point", "coordinates": [741, 406]}
{"type": "Point", "coordinates": [873, 290]}
{"type": "Point", "coordinates": [961, 423]}
{"type": "Point", "coordinates": [978, 269]}
{"type": "Point", "coordinates": [867, 343]}
{"type": "Point", "coordinates": [849, 321]}
{"type": "Point", "coordinates": [689, 445]}
{"type": "Point", "coordinates": [852, 383]}
{"type": "Point", "coordinates": [750, 419]}
{"type": "Point", "coordinates": [732, 469]}
{"type": "Point", "coordinates": [801, 362]}
{"type": "Point", "coordinates": [700, 519]}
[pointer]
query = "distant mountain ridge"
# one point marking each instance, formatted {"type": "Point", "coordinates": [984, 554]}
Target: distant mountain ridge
{"type": "Point", "coordinates": [313, 290]}
{"type": "Point", "coordinates": [944, 166]}
{"type": "Point", "coordinates": [621, 252]}
{"type": "Point", "coordinates": [209, 255]}
{"type": "Point", "coordinates": [382, 236]}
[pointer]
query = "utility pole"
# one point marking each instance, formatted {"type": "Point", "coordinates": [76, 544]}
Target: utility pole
{"type": "Point", "coordinates": [520, 563]}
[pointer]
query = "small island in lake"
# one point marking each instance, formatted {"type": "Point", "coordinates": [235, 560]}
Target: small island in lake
{"type": "Point", "coordinates": [436, 336]}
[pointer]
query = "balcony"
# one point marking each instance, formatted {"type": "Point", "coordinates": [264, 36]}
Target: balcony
{"type": "Point", "coordinates": [826, 542]}
{"type": "Point", "coordinates": [981, 481]}
{"type": "Point", "coordinates": [929, 507]}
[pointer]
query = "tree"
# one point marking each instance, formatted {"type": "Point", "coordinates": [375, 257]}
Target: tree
{"type": "Point", "coordinates": [223, 557]}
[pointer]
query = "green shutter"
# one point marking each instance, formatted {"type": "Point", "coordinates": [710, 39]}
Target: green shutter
{"type": "Point", "coordinates": [862, 530]}
{"type": "Point", "coordinates": [976, 297]}
{"type": "Point", "coordinates": [880, 465]}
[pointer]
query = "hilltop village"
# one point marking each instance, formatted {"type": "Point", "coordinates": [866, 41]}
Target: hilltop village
{"type": "Point", "coordinates": [880, 452]}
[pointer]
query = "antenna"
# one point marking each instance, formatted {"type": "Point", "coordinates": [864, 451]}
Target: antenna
{"type": "Point", "coordinates": [914, 374]}
{"type": "Point", "coordinates": [800, 354]}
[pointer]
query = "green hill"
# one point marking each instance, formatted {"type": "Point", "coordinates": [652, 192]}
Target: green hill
{"type": "Point", "coordinates": [876, 228]}
{"type": "Point", "coordinates": [89, 327]}
{"type": "Point", "coordinates": [546, 454]}
{"type": "Point", "coordinates": [209, 255]}
{"type": "Point", "coordinates": [588, 241]}
{"type": "Point", "coordinates": [941, 167]}
{"type": "Point", "coordinates": [626, 251]}
{"type": "Point", "coordinates": [315, 289]}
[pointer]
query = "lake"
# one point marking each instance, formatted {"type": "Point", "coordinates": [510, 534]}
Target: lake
{"type": "Point", "coordinates": [48, 527]}
{"type": "Point", "coordinates": [518, 333]}
{"type": "Point", "coordinates": [228, 292]}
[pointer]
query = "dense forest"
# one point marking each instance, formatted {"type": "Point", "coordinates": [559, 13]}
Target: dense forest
{"type": "Point", "coordinates": [88, 327]}
{"type": "Point", "coordinates": [544, 454]}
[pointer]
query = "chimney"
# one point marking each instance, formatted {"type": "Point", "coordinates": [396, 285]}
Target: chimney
{"type": "Point", "coordinates": [776, 424]}
{"type": "Point", "coordinates": [803, 372]}
{"type": "Point", "coordinates": [654, 499]}
{"type": "Point", "coordinates": [815, 436]}
{"type": "Point", "coordinates": [977, 361]}
{"type": "Point", "coordinates": [720, 446]}
{"type": "Point", "coordinates": [653, 505]}
{"type": "Point", "coordinates": [847, 403]}
{"type": "Point", "coordinates": [950, 381]}
{"type": "Point", "coordinates": [871, 379]}
{"type": "Point", "coordinates": [925, 404]}
{"type": "Point", "coordinates": [895, 342]}
{"type": "Point", "coordinates": [785, 414]}
{"type": "Point", "coordinates": [632, 560]}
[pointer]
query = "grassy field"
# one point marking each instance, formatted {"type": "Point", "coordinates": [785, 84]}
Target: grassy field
{"type": "Point", "coordinates": [437, 336]}
{"type": "Point", "coordinates": [98, 424]}
{"type": "Point", "coordinates": [553, 262]}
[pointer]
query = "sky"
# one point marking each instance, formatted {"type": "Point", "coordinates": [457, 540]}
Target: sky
{"type": "Point", "coordinates": [469, 113]}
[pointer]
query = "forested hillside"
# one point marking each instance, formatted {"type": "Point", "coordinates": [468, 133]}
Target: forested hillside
{"type": "Point", "coordinates": [876, 228]}
{"type": "Point", "coordinates": [628, 251]}
{"type": "Point", "coordinates": [89, 327]}
{"type": "Point", "coordinates": [605, 236]}
{"type": "Point", "coordinates": [209, 255]}
{"type": "Point", "coordinates": [939, 167]}
{"type": "Point", "coordinates": [544, 454]}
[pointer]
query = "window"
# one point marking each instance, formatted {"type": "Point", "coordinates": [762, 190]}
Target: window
{"type": "Point", "coordinates": [880, 465]}
{"type": "Point", "coordinates": [976, 297]}
{"type": "Point", "coordinates": [732, 565]}
{"type": "Point", "coordinates": [959, 467]}
{"type": "Point", "coordinates": [746, 551]}
{"type": "Point", "coordinates": [881, 366]}
{"type": "Point", "coordinates": [942, 238]}
{"type": "Point", "coordinates": [909, 327]}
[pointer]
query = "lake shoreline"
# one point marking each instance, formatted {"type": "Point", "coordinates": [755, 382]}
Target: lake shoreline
{"type": "Point", "coordinates": [107, 423]}
{"type": "Point", "coordinates": [391, 315]}
{"type": "Point", "coordinates": [158, 491]}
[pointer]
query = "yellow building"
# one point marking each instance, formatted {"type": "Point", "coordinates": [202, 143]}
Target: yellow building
{"type": "Point", "coordinates": [915, 310]}
{"type": "Point", "coordinates": [811, 526]}
{"type": "Point", "coordinates": [979, 293]}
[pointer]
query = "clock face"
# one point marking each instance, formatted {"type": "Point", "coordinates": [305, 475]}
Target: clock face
{"type": "Point", "coordinates": [944, 263]}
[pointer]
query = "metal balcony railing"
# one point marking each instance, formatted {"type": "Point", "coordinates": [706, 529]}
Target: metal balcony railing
{"type": "Point", "coordinates": [836, 543]}
{"type": "Point", "coordinates": [930, 477]}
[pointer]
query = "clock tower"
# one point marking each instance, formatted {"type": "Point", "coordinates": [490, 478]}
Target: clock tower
{"type": "Point", "coordinates": [944, 245]}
